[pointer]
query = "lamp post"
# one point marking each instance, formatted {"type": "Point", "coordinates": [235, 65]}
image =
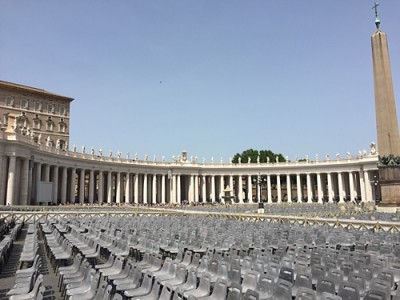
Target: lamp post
{"type": "Point", "coordinates": [259, 180]}
{"type": "Point", "coordinates": [376, 187]}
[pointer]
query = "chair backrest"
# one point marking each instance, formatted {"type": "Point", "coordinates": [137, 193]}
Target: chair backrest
{"type": "Point", "coordinates": [305, 294]}
{"type": "Point", "coordinates": [282, 290]}
{"type": "Point", "coordinates": [325, 284]}
{"type": "Point", "coordinates": [348, 291]}
{"type": "Point", "coordinates": [251, 295]}
{"type": "Point", "coordinates": [234, 291]}
{"type": "Point", "coordinates": [375, 295]}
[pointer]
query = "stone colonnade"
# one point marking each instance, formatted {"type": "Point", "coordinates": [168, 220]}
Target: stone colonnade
{"type": "Point", "coordinates": [59, 179]}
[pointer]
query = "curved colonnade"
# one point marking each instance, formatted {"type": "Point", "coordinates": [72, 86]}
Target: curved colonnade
{"type": "Point", "coordinates": [32, 174]}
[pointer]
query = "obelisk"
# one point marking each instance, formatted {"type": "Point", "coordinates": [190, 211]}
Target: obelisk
{"type": "Point", "coordinates": [386, 119]}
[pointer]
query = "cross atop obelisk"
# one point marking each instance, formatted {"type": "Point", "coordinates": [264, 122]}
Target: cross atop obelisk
{"type": "Point", "coordinates": [377, 21]}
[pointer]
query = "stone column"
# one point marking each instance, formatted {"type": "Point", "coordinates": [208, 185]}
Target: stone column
{"type": "Point", "coordinates": [109, 187]}
{"type": "Point", "coordinates": [309, 188]}
{"type": "Point", "coordinates": [299, 188]}
{"type": "Point", "coordinates": [128, 196]}
{"type": "Point", "coordinates": [3, 178]}
{"type": "Point", "coordinates": [163, 189]}
{"type": "Point", "coordinates": [278, 187]}
{"type": "Point", "coordinates": [100, 192]}
{"type": "Point", "coordinates": [154, 192]}
{"type": "Point", "coordinates": [91, 186]}
{"type": "Point", "coordinates": [221, 186]}
{"type": "Point", "coordinates": [351, 183]}
{"type": "Point", "coordinates": [249, 189]}
{"type": "Point", "coordinates": [55, 185]}
{"type": "Point", "coordinates": [82, 186]}
{"type": "Point", "coordinates": [24, 182]}
{"type": "Point", "coordinates": [191, 189]}
{"type": "Point", "coordinates": [145, 199]}
{"type": "Point", "coordinates": [288, 188]}
{"type": "Point", "coordinates": [136, 183]}
{"type": "Point", "coordinates": [319, 188]}
{"type": "Point", "coordinates": [203, 188]}
{"type": "Point", "coordinates": [11, 181]}
{"type": "Point", "coordinates": [331, 193]}
{"type": "Point", "coordinates": [368, 187]}
{"type": "Point", "coordinates": [342, 192]}
{"type": "Point", "coordinates": [72, 186]}
{"type": "Point", "coordinates": [64, 179]}
{"type": "Point", "coordinates": [231, 185]}
{"type": "Point", "coordinates": [178, 190]}
{"type": "Point", "coordinates": [362, 186]}
{"type": "Point", "coordinates": [173, 189]}
{"type": "Point", "coordinates": [212, 188]}
{"type": "Point", "coordinates": [269, 188]}
{"type": "Point", "coordinates": [196, 188]}
{"type": "Point", "coordinates": [46, 173]}
{"type": "Point", "coordinates": [240, 179]}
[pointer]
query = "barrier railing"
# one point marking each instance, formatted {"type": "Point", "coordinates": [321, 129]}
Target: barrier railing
{"type": "Point", "coordinates": [306, 220]}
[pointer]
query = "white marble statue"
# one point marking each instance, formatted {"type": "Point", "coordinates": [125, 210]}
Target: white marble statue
{"type": "Point", "coordinates": [372, 149]}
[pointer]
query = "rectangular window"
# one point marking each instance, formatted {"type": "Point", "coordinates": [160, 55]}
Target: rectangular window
{"type": "Point", "coordinates": [9, 101]}
{"type": "Point", "coordinates": [50, 108]}
{"type": "Point", "coordinates": [25, 103]}
{"type": "Point", "coordinates": [38, 106]}
{"type": "Point", "coordinates": [63, 110]}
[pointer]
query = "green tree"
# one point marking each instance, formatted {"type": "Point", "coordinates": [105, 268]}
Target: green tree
{"type": "Point", "coordinates": [254, 154]}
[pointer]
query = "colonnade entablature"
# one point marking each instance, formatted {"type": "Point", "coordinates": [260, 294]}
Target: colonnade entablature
{"type": "Point", "coordinates": [33, 174]}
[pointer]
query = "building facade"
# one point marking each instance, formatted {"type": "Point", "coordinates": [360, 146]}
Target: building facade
{"type": "Point", "coordinates": [33, 112]}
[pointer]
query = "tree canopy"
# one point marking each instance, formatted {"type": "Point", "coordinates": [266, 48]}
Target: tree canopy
{"type": "Point", "coordinates": [263, 156]}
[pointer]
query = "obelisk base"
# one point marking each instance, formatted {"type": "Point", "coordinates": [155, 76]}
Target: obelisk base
{"type": "Point", "coordinates": [389, 181]}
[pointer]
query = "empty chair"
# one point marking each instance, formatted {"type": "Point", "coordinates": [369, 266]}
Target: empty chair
{"type": "Point", "coordinates": [234, 291]}
{"type": "Point", "coordinates": [348, 291]}
{"type": "Point", "coordinates": [180, 277]}
{"type": "Point", "coordinates": [219, 292]}
{"type": "Point", "coordinates": [189, 284]}
{"type": "Point", "coordinates": [265, 286]}
{"type": "Point", "coordinates": [305, 294]}
{"type": "Point", "coordinates": [202, 290]}
{"type": "Point", "coordinates": [144, 288]}
{"type": "Point", "coordinates": [325, 285]}
{"type": "Point", "coordinates": [282, 290]}
{"type": "Point", "coordinates": [154, 293]}
{"type": "Point", "coordinates": [303, 280]}
{"type": "Point", "coordinates": [375, 295]}
{"type": "Point", "coordinates": [251, 295]}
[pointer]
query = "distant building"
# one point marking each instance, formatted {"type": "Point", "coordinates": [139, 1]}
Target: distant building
{"type": "Point", "coordinates": [41, 115]}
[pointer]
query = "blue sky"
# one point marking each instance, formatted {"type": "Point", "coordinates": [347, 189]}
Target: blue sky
{"type": "Point", "coordinates": [211, 77]}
